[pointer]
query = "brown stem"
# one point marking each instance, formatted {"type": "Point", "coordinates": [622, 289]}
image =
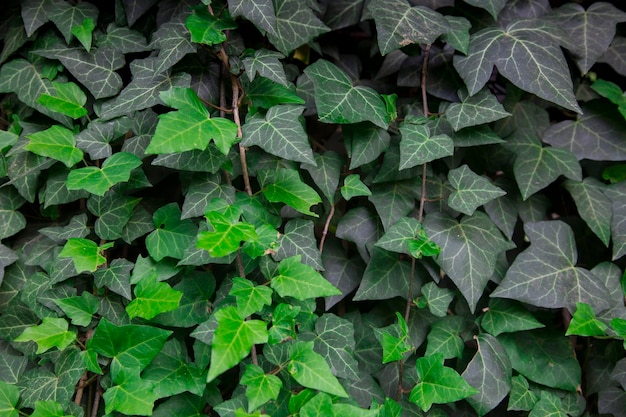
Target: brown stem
{"type": "Point", "coordinates": [242, 149]}
{"type": "Point", "coordinates": [326, 226]}
{"type": "Point", "coordinates": [96, 400]}
{"type": "Point", "coordinates": [424, 72]}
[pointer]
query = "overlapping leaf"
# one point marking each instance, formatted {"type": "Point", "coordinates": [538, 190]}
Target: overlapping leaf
{"type": "Point", "coordinates": [288, 188]}
{"type": "Point", "coordinates": [206, 28]}
{"type": "Point", "coordinates": [311, 370]}
{"type": "Point", "coordinates": [98, 181]}
{"type": "Point", "coordinates": [296, 25]}
{"type": "Point", "coordinates": [69, 100]}
{"type": "Point", "coordinates": [418, 146]}
{"type": "Point", "coordinates": [131, 394]}
{"type": "Point", "coordinates": [172, 235]}
{"type": "Point", "coordinates": [480, 108]}
{"type": "Point", "coordinates": [153, 298]}
{"type": "Point", "coordinates": [266, 64]}
{"type": "Point", "coordinates": [593, 206]}
{"type": "Point", "coordinates": [300, 281]}
{"type": "Point", "coordinates": [53, 332]}
{"type": "Point", "coordinates": [471, 190]}
{"type": "Point", "coordinates": [261, 13]}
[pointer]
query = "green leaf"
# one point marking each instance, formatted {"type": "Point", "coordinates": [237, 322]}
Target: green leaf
{"type": "Point", "coordinates": [131, 394]}
{"type": "Point", "coordinates": [394, 200]}
{"type": "Point", "coordinates": [458, 35]}
{"type": "Point", "coordinates": [364, 142]}
{"type": "Point", "coordinates": [116, 277]}
{"type": "Point", "coordinates": [152, 298]}
{"type": "Point", "coordinates": [445, 337]}
{"type": "Point", "coordinates": [69, 100]}
{"type": "Point", "coordinates": [190, 127]}
{"type": "Point", "coordinates": [546, 275]}
{"type": "Point", "coordinates": [261, 387]}
{"type": "Point", "coordinates": [326, 172]}
{"type": "Point", "coordinates": [266, 64]}
{"type": "Point", "coordinates": [79, 309]}
{"type": "Point", "coordinates": [265, 93]}
{"type": "Point", "coordinates": [480, 108]}
{"type": "Point", "coordinates": [9, 397]}
{"type": "Point", "coordinates": [300, 281]}
{"type": "Point", "coordinates": [471, 190]}
{"type": "Point", "coordinates": [593, 206]}
{"type": "Point", "coordinates": [438, 384]}
{"type": "Point", "coordinates": [407, 236]}
{"type": "Point", "coordinates": [585, 323]}
{"type": "Point", "coordinates": [56, 142]}
{"type": "Point", "coordinates": [469, 249]}
{"type": "Point", "coordinates": [548, 405]}
{"type": "Point", "coordinates": [354, 187]}
{"type": "Point", "coordinates": [130, 346]}
{"type": "Point", "coordinates": [66, 17]}
{"type": "Point", "coordinates": [287, 187]}
{"type": "Point", "coordinates": [35, 13]}
{"type": "Point", "coordinates": [311, 370]}
{"type": "Point", "coordinates": [226, 236]}
{"type": "Point", "coordinates": [394, 347]}
{"type": "Point", "coordinates": [206, 28]}
{"type": "Point", "coordinates": [418, 147]}
{"type": "Point", "coordinates": [261, 13]}
{"type": "Point", "coordinates": [172, 235]}
{"type": "Point", "coordinates": [507, 316]}
{"type": "Point", "coordinates": [489, 372]}
{"type": "Point", "coordinates": [123, 39]}
{"type": "Point", "coordinates": [338, 101]}
{"type": "Point", "coordinates": [437, 299]}
{"type": "Point", "coordinates": [279, 132]}
{"type": "Point", "coordinates": [201, 190]}
{"type": "Point", "coordinates": [526, 53]}
{"type": "Point", "coordinates": [398, 24]}
{"type": "Point", "coordinates": [296, 25]}
{"type": "Point", "coordinates": [83, 32]}
{"type": "Point", "coordinates": [52, 332]}
{"type": "Point", "coordinates": [98, 181]}
{"type": "Point", "coordinates": [11, 220]}
{"type": "Point", "coordinates": [587, 33]}
{"type": "Point", "coordinates": [533, 352]}
{"type": "Point", "coordinates": [384, 278]}
{"type": "Point", "coordinates": [172, 41]}
{"type": "Point", "coordinates": [233, 340]}
{"type": "Point", "coordinates": [77, 227]}
{"type": "Point", "coordinates": [619, 326]}
{"type": "Point", "coordinates": [48, 409]}
{"type": "Point", "coordinates": [537, 166]}
{"type": "Point", "coordinates": [521, 397]}
{"type": "Point", "coordinates": [85, 253]}
{"type": "Point", "coordinates": [250, 298]}
{"type": "Point", "coordinates": [299, 239]}
{"type": "Point", "coordinates": [114, 211]}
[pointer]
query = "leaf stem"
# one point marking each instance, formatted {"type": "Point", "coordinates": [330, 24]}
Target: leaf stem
{"type": "Point", "coordinates": [326, 226]}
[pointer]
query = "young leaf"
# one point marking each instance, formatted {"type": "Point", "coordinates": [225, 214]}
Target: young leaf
{"type": "Point", "coordinates": [56, 142]}
{"type": "Point", "coordinates": [79, 309]}
{"type": "Point", "coordinates": [131, 394]}
{"type": "Point", "coordinates": [265, 93]}
{"type": "Point", "coordinates": [288, 188]}
{"type": "Point", "coordinates": [354, 187]}
{"type": "Point", "coordinates": [338, 101]}
{"type": "Point", "coordinates": [585, 323]}
{"type": "Point", "coordinates": [83, 32]}
{"type": "Point", "coordinates": [49, 408]}
{"type": "Point", "coordinates": [190, 127]}
{"type": "Point", "coordinates": [85, 253]}
{"type": "Point", "coordinates": [300, 281]}
{"type": "Point", "coordinates": [261, 387]}
{"type": "Point", "coordinates": [69, 100]}
{"type": "Point", "coordinates": [52, 332]}
{"type": "Point", "coordinates": [226, 236]}
{"type": "Point", "coordinates": [233, 340]}
{"type": "Point", "coordinates": [250, 298]}
{"type": "Point", "coordinates": [98, 181]}
{"type": "Point", "coordinates": [437, 299]}
{"type": "Point", "coordinates": [153, 298]}
{"type": "Point", "coordinates": [394, 348]}
{"type": "Point", "coordinates": [9, 397]}
{"type": "Point", "coordinates": [521, 398]}
{"type": "Point", "coordinates": [438, 384]}
{"type": "Point", "coordinates": [311, 370]}
{"type": "Point", "coordinates": [206, 28]}
{"type": "Point", "coordinates": [548, 405]}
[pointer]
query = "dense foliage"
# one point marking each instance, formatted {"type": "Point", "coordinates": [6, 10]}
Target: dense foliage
{"type": "Point", "coordinates": [312, 208]}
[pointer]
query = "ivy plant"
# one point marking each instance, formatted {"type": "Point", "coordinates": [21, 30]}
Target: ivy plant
{"type": "Point", "coordinates": [250, 208]}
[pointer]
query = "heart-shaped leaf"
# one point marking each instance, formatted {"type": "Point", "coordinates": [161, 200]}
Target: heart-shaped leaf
{"type": "Point", "coordinates": [98, 181]}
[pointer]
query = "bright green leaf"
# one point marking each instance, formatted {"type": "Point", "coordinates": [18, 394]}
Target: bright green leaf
{"type": "Point", "coordinates": [56, 142]}
{"type": "Point", "coordinates": [172, 236]}
{"type": "Point", "coordinates": [507, 316]}
{"type": "Point", "coordinates": [83, 32]}
{"type": "Point", "coordinates": [69, 100]}
{"type": "Point", "coordinates": [394, 347]}
{"type": "Point", "coordinates": [226, 236]}
{"type": "Point", "coordinates": [250, 298]}
{"type": "Point", "coordinates": [300, 281]}
{"type": "Point", "coordinates": [85, 253]}
{"type": "Point", "coordinates": [131, 394]}
{"type": "Point", "coordinates": [521, 397]}
{"type": "Point", "coordinates": [153, 298]}
{"type": "Point", "coordinates": [585, 323]}
{"type": "Point", "coordinates": [79, 309]}
{"type": "Point", "coordinates": [206, 28]}
{"type": "Point", "coordinates": [52, 332]}
{"type": "Point", "coordinates": [115, 169]}
{"type": "Point", "coordinates": [288, 188]}
{"type": "Point", "coordinates": [9, 396]}
{"type": "Point", "coordinates": [261, 387]}
{"type": "Point", "coordinates": [354, 187]}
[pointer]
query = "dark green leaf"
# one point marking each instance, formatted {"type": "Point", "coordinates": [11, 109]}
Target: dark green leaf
{"type": "Point", "coordinates": [296, 24]}
{"type": "Point", "coordinates": [507, 316]}
{"type": "Point", "coordinates": [394, 200]}
{"type": "Point", "coordinates": [172, 235]}
{"type": "Point", "coordinates": [65, 17]}
{"type": "Point", "coordinates": [266, 64]}
{"type": "Point", "coordinates": [11, 220]}
{"type": "Point", "coordinates": [193, 308]}
{"type": "Point", "coordinates": [338, 101]}
{"type": "Point", "coordinates": [325, 173]}
{"type": "Point", "coordinates": [299, 239]}
{"type": "Point", "coordinates": [385, 277]}
{"type": "Point", "coordinates": [593, 206]}
{"type": "Point", "coordinates": [123, 39]}
{"type": "Point", "coordinates": [444, 337]}
{"type": "Point", "coordinates": [261, 13]}
{"type": "Point", "coordinates": [35, 13]}
{"type": "Point", "coordinates": [116, 277]}
{"type": "Point", "coordinates": [311, 370]}
{"type": "Point", "coordinates": [172, 40]}
{"type": "Point", "coordinates": [354, 187]}
{"type": "Point", "coordinates": [364, 142]}
{"type": "Point", "coordinates": [417, 146]}
{"type": "Point", "coordinates": [521, 397]}
{"type": "Point", "coordinates": [480, 108]}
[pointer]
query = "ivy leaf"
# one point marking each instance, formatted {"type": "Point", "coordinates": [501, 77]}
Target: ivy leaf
{"type": "Point", "coordinates": [521, 397]}
{"type": "Point", "coordinates": [85, 253]}
{"type": "Point", "coordinates": [480, 108]}
{"type": "Point", "coordinates": [153, 298]}
{"type": "Point", "coordinates": [593, 206]}
{"type": "Point", "coordinates": [52, 332]}
{"type": "Point", "coordinates": [532, 352]}
{"type": "Point", "coordinates": [56, 142]}
{"type": "Point", "coordinates": [190, 127]}
{"type": "Point", "coordinates": [48, 409]}
{"type": "Point", "coordinates": [79, 309]}
{"type": "Point", "coordinates": [9, 397]}
{"type": "Point", "coordinates": [131, 394]}
{"type": "Point", "coordinates": [69, 100]}
{"type": "Point", "coordinates": [206, 28]}
{"type": "Point", "coordinates": [354, 187]}
{"type": "Point", "coordinates": [98, 181]}
{"type": "Point", "coordinates": [288, 188]}
{"type": "Point", "coordinates": [300, 281]}
{"type": "Point", "coordinates": [65, 17]}
{"type": "Point", "coordinates": [338, 101]}
{"type": "Point", "coordinates": [261, 13]}
{"type": "Point", "coordinates": [233, 340]}
{"type": "Point", "coordinates": [507, 316]}
{"type": "Point", "coordinates": [83, 33]}
{"type": "Point", "coordinates": [261, 387]}
{"type": "Point", "coordinates": [525, 53]}
{"type": "Point", "coordinates": [587, 33]}
{"type": "Point", "coordinates": [592, 135]}
{"type": "Point", "coordinates": [325, 173]}
{"type": "Point", "coordinates": [299, 239]}
{"type": "Point", "coordinates": [585, 323]}
{"type": "Point", "coordinates": [445, 337]}
{"type": "Point", "coordinates": [407, 236]}
{"type": "Point", "coordinates": [116, 277]}
{"type": "Point", "coordinates": [266, 64]}
{"type": "Point", "coordinates": [364, 142]}
{"type": "Point", "coordinates": [385, 277]}
{"type": "Point", "coordinates": [35, 13]}
{"type": "Point", "coordinates": [11, 220]}
{"type": "Point", "coordinates": [469, 249]}
{"type": "Point", "coordinates": [546, 275]}
{"type": "Point", "coordinates": [114, 210]}
{"type": "Point", "coordinates": [395, 347]}
{"type": "Point", "coordinates": [418, 147]}
{"type": "Point", "coordinates": [279, 132]}
{"type": "Point", "coordinates": [438, 383]}
{"type": "Point", "coordinates": [437, 299]}
{"type": "Point", "coordinates": [471, 190]}
{"type": "Point", "coordinates": [537, 166]}
{"type": "Point", "coordinates": [310, 370]}
{"type": "Point", "coordinates": [172, 235]}
{"type": "Point", "coordinates": [226, 236]}
{"type": "Point", "coordinates": [172, 40]}
{"type": "Point", "coordinates": [394, 200]}
{"type": "Point", "coordinates": [122, 39]}
{"type": "Point", "coordinates": [265, 93]}
{"type": "Point", "coordinates": [489, 371]}
{"type": "Point", "coordinates": [548, 405]}
{"type": "Point", "coordinates": [398, 24]}
{"type": "Point", "coordinates": [95, 70]}
{"type": "Point", "coordinates": [130, 346]}
{"type": "Point", "coordinates": [296, 25]}
{"type": "Point", "coordinates": [250, 298]}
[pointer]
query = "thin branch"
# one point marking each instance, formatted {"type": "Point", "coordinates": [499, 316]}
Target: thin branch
{"type": "Point", "coordinates": [326, 226]}
{"type": "Point", "coordinates": [424, 73]}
